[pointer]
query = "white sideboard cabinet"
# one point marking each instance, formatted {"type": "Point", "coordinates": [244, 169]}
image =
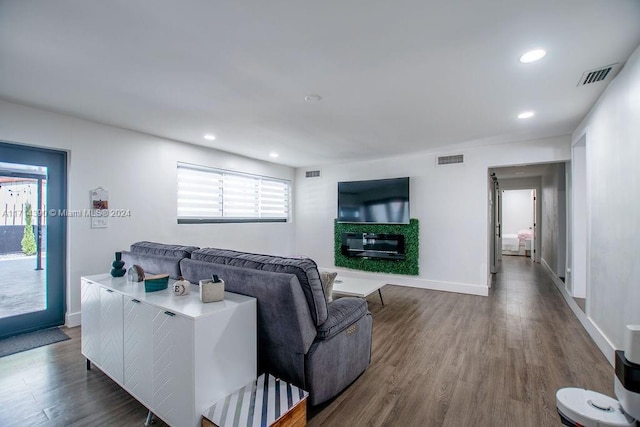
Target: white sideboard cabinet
{"type": "Point", "coordinates": [174, 354]}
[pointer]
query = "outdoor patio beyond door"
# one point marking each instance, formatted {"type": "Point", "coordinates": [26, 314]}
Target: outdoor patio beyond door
{"type": "Point", "coordinates": [23, 244]}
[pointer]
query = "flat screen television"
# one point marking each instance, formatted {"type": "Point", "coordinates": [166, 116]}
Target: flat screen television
{"type": "Point", "coordinates": [380, 201]}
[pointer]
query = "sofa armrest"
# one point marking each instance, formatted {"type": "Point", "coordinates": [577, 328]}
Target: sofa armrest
{"type": "Point", "coordinates": [343, 312]}
{"type": "Point", "coordinates": [333, 363]}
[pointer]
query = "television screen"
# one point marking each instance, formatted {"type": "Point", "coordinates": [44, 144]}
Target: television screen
{"type": "Point", "coordinates": [381, 201]}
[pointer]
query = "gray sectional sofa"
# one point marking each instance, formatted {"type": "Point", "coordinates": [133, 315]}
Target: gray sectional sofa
{"type": "Point", "coordinates": [321, 347]}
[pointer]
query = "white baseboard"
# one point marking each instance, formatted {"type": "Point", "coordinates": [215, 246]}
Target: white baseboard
{"type": "Point", "coordinates": [605, 346]}
{"type": "Point", "coordinates": [395, 279]}
{"type": "Point", "coordinates": [72, 320]}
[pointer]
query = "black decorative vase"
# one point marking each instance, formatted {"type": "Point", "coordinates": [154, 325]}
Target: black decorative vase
{"type": "Point", "coordinates": [117, 270]}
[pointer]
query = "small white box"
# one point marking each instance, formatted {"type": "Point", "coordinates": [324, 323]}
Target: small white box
{"type": "Point", "coordinates": [211, 291]}
{"type": "Point", "coordinates": [632, 344]}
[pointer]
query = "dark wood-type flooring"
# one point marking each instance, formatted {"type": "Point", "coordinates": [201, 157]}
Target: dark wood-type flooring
{"type": "Point", "coordinates": [444, 359]}
{"type": "Point", "coordinates": [438, 359]}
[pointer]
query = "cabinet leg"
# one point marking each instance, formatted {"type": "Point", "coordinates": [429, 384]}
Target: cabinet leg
{"type": "Point", "coordinates": [88, 365]}
{"type": "Point", "coordinates": [150, 419]}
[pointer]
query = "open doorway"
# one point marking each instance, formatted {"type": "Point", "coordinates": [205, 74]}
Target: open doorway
{"type": "Point", "coordinates": [528, 179]}
{"type": "Point", "coordinates": [545, 196]}
{"type": "Point", "coordinates": [518, 220]}
{"type": "Point", "coordinates": [550, 212]}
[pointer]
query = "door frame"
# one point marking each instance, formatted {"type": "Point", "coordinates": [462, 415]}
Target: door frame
{"type": "Point", "coordinates": [534, 225]}
{"type": "Point", "coordinates": [56, 235]}
{"type": "Point", "coordinates": [495, 225]}
{"type": "Point", "coordinates": [526, 183]}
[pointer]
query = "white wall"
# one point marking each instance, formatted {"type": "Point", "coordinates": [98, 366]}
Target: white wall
{"type": "Point", "coordinates": [450, 201]}
{"type": "Point", "coordinates": [561, 266]}
{"type": "Point", "coordinates": [568, 273]}
{"type": "Point", "coordinates": [579, 219]}
{"type": "Point", "coordinates": [517, 211]}
{"type": "Point", "coordinates": [139, 171]}
{"type": "Point", "coordinates": [553, 218]}
{"type": "Point", "coordinates": [613, 176]}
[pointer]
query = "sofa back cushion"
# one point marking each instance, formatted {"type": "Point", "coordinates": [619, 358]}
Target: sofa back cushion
{"type": "Point", "coordinates": [304, 269]}
{"type": "Point", "coordinates": [157, 258]}
{"type": "Point", "coordinates": [161, 249]}
{"type": "Point", "coordinates": [153, 264]}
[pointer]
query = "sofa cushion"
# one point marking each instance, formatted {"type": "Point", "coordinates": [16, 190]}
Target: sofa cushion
{"type": "Point", "coordinates": [161, 249]}
{"type": "Point", "coordinates": [328, 278]}
{"type": "Point", "coordinates": [304, 269]}
{"type": "Point", "coordinates": [343, 312]}
{"type": "Point", "coordinates": [153, 264]}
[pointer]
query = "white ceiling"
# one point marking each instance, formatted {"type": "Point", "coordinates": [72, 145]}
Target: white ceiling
{"type": "Point", "coordinates": [395, 76]}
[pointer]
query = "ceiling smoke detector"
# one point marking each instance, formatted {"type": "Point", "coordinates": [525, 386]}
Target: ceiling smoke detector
{"type": "Point", "coordinates": [313, 98]}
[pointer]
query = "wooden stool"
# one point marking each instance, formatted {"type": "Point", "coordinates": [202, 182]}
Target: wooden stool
{"type": "Point", "coordinates": [264, 401]}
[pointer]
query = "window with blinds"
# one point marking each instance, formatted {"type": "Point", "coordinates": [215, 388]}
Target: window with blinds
{"type": "Point", "coordinates": [214, 195]}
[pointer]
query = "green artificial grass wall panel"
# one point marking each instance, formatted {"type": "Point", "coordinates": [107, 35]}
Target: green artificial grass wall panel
{"type": "Point", "coordinates": [408, 266]}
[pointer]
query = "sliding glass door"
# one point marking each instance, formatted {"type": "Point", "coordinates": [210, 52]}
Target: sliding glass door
{"type": "Point", "coordinates": [33, 238]}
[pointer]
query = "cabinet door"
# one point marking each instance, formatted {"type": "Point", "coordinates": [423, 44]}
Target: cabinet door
{"type": "Point", "coordinates": [111, 340]}
{"type": "Point", "coordinates": [138, 349]}
{"type": "Point", "coordinates": [90, 306]}
{"type": "Point", "coordinates": [172, 368]}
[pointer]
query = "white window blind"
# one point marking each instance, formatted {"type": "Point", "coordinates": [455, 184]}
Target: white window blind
{"type": "Point", "coordinates": [213, 195]}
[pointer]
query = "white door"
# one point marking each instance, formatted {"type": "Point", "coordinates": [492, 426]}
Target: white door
{"type": "Point", "coordinates": [90, 303]}
{"type": "Point", "coordinates": [111, 344]}
{"type": "Point", "coordinates": [173, 367]}
{"type": "Point", "coordinates": [534, 204]}
{"type": "Point", "coordinates": [500, 225]}
{"type": "Point", "coordinates": [495, 231]}
{"type": "Point", "coordinates": [138, 349]}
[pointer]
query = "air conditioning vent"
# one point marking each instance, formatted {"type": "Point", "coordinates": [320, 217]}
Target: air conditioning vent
{"type": "Point", "coordinates": [449, 160]}
{"type": "Point", "coordinates": [599, 74]}
{"type": "Point", "coordinates": [312, 174]}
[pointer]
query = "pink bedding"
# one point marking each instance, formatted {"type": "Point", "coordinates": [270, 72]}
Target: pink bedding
{"type": "Point", "coordinates": [525, 235]}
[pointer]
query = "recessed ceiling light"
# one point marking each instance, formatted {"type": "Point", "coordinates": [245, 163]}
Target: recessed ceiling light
{"type": "Point", "coordinates": [209, 137]}
{"type": "Point", "coordinates": [313, 98]}
{"type": "Point", "coordinates": [533, 56]}
{"type": "Point", "coordinates": [274, 155]}
{"type": "Point", "coordinates": [526, 114]}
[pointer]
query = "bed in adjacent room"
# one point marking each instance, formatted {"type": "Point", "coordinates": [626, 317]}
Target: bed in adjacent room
{"type": "Point", "coordinates": [517, 243]}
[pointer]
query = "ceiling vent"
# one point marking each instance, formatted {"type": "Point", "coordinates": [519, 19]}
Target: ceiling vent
{"type": "Point", "coordinates": [599, 74]}
{"type": "Point", "coordinates": [450, 160]}
{"type": "Point", "coordinates": [312, 174]}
